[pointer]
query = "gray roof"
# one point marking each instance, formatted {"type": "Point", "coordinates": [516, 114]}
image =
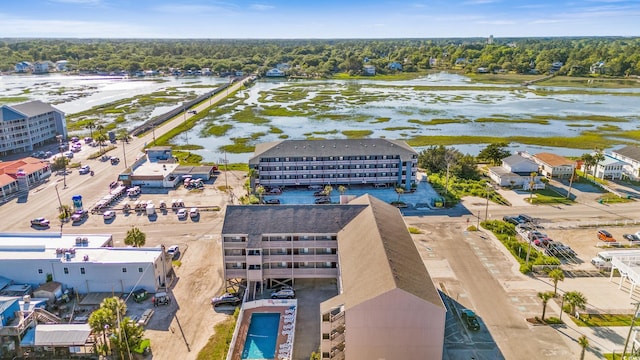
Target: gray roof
{"type": "Point", "coordinates": [517, 159]}
{"type": "Point", "coordinates": [62, 334]}
{"type": "Point", "coordinates": [630, 151]}
{"type": "Point", "coordinates": [256, 220]}
{"type": "Point", "coordinates": [332, 147]}
{"type": "Point", "coordinates": [34, 108]}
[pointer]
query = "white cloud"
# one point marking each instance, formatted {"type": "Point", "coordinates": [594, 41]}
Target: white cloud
{"type": "Point", "coordinates": [261, 7]}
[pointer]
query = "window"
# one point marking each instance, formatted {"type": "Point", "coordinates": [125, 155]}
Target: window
{"type": "Point", "coordinates": [39, 271]}
{"type": "Point", "coordinates": [140, 270]}
{"type": "Point", "coordinates": [325, 336]}
{"type": "Point", "coordinates": [82, 271]}
{"type": "Point", "coordinates": [66, 270]}
{"type": "Point", "coordinates": [124, 270]}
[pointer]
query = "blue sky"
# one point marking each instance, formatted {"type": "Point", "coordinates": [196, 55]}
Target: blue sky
{"type": "Point", "coordinates": [317, 19]}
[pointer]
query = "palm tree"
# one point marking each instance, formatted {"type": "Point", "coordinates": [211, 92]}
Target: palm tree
{"type": "Point", "coordinates": [99, 322]}
{"type": "Point", "coordinates": [575, 300]}
{"type": "Point", "coordinates": [100, 139]}
{"type": "Point", "coordinates": [342, 189]}
{"type": "Point", "coordinates": [135, 237]}
{"type": "Point", "coordinates": [545, 296]}
{"type": "Point", "coordinates": [532, 182]}
{"type": "Point", "coordinates": [587, 161]}
{"type": "Point", "coordinates": [123, 135]}
{"type": "Point", "coordinates": [116, 305]}
{"type": "Point", "coordinates": [598, 157]}
{"type": "Point", "coordinates": [260, 191]}
{"type": "Point", "coordinates": [584, 343]}
{"type": "Point", "coordinates": [400, 191]}
{"type": "Point", "coordinates": [65, 212]}
{"type": "Point", "coordinates": [556, 275]}
{"type": "Point", "coordinates": [90, 124]}
{"type": "Point", "coordinates": [327, 190]}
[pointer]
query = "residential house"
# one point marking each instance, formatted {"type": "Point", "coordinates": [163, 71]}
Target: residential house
{"type": "Point", "coordinates": [461, 61]}
{"type": "Point", "coordinates": [609, 168]}
{"type": "Point", "coordinates": [552, 165]}
{"type": "Point", "coordinates": [283, 67]}
{"type": "Point", "coordinates": [28, 125]}
{"type": "Point", "coordinates": [598, 68]}
{"type": "Point", "coordinates": [66, 341]}
{"type": "Point", "coordinates": [41, 67]}
{"type": "Point", "coordinates": [556, 65]}
{"type": "Point", "coordinates": [483, 70]}
{"type": "Point", "coordinates": [369, 70]}
{"type": "Point", "coordinates": [630, 154]}
{"type": "Point", "coordinates": [61, 65]}
{"type": "Point", "coordinates": [23, 67]}
{"type": "Point", "coordinates": [395, 66]}
{"type": "Point", "coordinates": [515, 171]}
{"type": "Point", "coordinates": [20, 175]}
{"type": "Point", "coordinates": [386, 306]}
{"type": "Point", "coordinates": [275, 73]}
{"type": "Point", "coordinates": [433, 62]}
{"type": "Point", "coordinates": [336, 161]}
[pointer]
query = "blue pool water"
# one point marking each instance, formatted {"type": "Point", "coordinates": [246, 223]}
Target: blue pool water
{"type": "Point", "coordinates": [262, 336]}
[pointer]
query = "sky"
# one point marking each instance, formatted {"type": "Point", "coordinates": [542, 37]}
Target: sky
{"type": "Point", "coordinates": [317, 19]}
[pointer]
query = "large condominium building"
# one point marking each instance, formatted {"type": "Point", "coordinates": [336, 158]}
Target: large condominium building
{"type": "Point", "coordinates": [28, 125]}
{"type": "Point", "coordinates": [338, 161]}
{"type": "Point", "coordinates": [387, 306]}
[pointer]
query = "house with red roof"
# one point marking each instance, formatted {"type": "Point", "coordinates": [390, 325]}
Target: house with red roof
{"type": "Point", "coordinates": [21, 174]}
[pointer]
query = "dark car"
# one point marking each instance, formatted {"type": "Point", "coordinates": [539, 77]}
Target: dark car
{"type": "Point", "coordinates": [323, 200]}
{"type": "Point", "coordinates": [511, 220]}
{"type": "Point", "coordinates": [631, 237]}
{"type": "Point", "coordinates": [525, 218]}
{"type": "Point", "coordinates": [114, 160]}
{"type": "Point", "coordinates": [470, 320]}
{"type": "Point", "coordinates": [140, 295]}
{"type": "Point", "coordinates": [226, 299]}
{"type": "Point", "coordinates": [320, 193]}
{"type": "Point", "coordinates": [272, 201]}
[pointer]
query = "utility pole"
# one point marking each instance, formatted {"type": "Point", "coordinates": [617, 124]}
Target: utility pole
{"type": "Point", "coordinates": [573, 171]}
{"type": "Point", "coordinates": [486, 209]}
{"type": "Point", "coordinates": [635, 315]}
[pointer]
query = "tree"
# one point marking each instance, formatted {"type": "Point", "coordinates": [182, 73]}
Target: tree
{"type": "Point", "coordinates": [123, 135]}
{"type": "Point", "coordinates": [544, 296]}
{"type": "Point", "coordinates": [532, 182]}
{"type": "Point", "coordinates": [400, 191]}
{"type": "Point", "coordinates": [100, 138]}
{"type": "Point", "coordinates": [135, 237]}
{"type": "Point", "coordinates": [64, 212]}
{"type": "Point", "coordinates": [116, 305]}
{"type": "Point", "coordinates": [584, 343]}
{"type": "Point", "coordinates": [99, 322]}
{"type": "Point", "coordinates": [494, 153]}
{"type": "Point", "coordinates": [587, 161]}
{"type": "Point", "coordinates": [260, 191]}
{"type": "Point", "coordinates": [556, 275]}
{"type": "Point", "coordinates": [342, 189]}
{"type": "Point", "coordinates": [59, 163]}
{"type": "Point", "coordinates": [127, 337]}
{"type": "Point", "coordinates": [90, 124]}
{"type": "Point", "coordinates": [575, 300]}
{"type": "Point", "coordinates": [328, 189]}
{"type": "Point", "coordinates": [598, 157]}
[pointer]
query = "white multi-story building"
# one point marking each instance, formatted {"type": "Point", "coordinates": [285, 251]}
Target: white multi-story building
{"type": "Point", "coordinates": [335, 162]}
{"type": "Point", "coordinates": [86, 263]}
{"type": "Point", "coordinates": [28, 125]}
{"type": "Point", "coordinates": [630, 154]}
{"type": "Point", "coordinates": [386, 307]}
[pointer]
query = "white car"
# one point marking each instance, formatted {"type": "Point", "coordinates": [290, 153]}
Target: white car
{"type": "Point", "coordinates": [194, 213]}
{"type": "Point", "coordinates": [182, 214]}
{"type": "Point", "coordinates": [173, 251]}
{"type": "Point", "coordinates": [109, 214]}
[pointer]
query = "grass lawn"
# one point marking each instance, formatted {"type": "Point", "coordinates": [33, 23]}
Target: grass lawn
{"type": "Point", "coordinates": [593, 320]}
{"type": "Point", "coordinates": [547, 196]}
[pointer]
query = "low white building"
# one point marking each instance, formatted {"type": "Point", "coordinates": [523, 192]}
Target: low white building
{"type": "Point", "coordinates": [630, 154]}
{"type": "Point", "coordinates": [274, 73]}
{"type": "Point", "coordinates": [609, 168]}
{"type": "Point", "coordinates": [515, 171]}
{"type": "Point", "coordinates": [81, 262]}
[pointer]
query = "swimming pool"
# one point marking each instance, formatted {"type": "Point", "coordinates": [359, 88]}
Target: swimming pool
{"type": "Point", "coordinates": [262, 336]}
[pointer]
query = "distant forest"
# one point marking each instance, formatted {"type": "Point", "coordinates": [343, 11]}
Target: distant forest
{"type": "Point", "coordinates": [608, 56]}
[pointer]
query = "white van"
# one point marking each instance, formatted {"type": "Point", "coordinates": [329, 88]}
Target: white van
{"type": "Point", "coordinates": [602, 261]}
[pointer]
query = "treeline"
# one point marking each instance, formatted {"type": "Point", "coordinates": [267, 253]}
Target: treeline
{"type": "Point", "coordinates": [619, 56]}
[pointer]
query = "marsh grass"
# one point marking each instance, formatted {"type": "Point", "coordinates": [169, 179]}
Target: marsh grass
{"type": "Point", "coordinates": [240, 145]}
{"type": "Point", "coordinates": [381, 120]}
{"type": "Point", "coordinates": [507, 120]}
{"type": "Point", "coordinates": [281, 111]}
{"type": "Point", "coordinates": [13, 99]}
{"type": "Point", "coordinates": [275, 130]}
{"type": "Point", "coordinates": [216, 130]}
{"type": "Point", "coordinates": [356, 134]}
{"type": "Point", "coordinates": [400, 128]}
{"type": "Point", "coordinates": [437, 121]}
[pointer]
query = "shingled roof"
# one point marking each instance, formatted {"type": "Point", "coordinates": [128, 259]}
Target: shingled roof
{"type": "Point", "coordinates": [553, 159]}
{"type": "Point", "coordinates": [332, 147]}
{"type": "Point", "coordinates": [630, 151]}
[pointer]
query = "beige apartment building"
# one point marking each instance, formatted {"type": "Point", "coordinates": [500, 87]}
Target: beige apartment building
{"type": "Point", "coordinates": [387, 306]}
{"type": "Point", "coordinates": [334, 162]}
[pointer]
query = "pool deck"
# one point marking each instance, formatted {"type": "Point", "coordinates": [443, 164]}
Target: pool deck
{"type": "Point", "coordinates": [244, 329]}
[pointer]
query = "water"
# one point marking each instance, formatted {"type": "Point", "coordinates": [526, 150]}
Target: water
{"type": "Point", "coordinates": [399, 101]}
{"type": "Point", "coordinates": [262, 336]}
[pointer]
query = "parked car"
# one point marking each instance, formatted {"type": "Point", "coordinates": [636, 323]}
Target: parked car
{"type": "Point", "coordinates": [525, 218]}
{"type": "Point", "coordinates": [140, 295]}
{"type": "Point", "coordinates": [320, 193]}
{"type": "Point", "coordinates": [109, 214]}
{"type": "Point", "coordinates": [40, 221]}
{"type": "Point", "coordinates": [114, 160]}
{"type": "Point", "coordinates": [272, 201]}
{"type": "Point", "coordinates": [84, 169]}
{"type": "Point", "coordinates": [511, 220]}
{"type": "Point", "coordinates": [604, 235]}
{"type": "Point", "coordinates": [182, 214]}
{"type": "Point", "coordinates": [79, 215]}
{"type": "Point", "coordinates": [470, 319]}
{"type": "Point", "coordinates": [161, 298]}
{"type": "Point", "coordinates": [533, 235]}
{"type": "Point", "coordinates": [283, 294]}
{"type": "Point", "coordinates": [226, 299]}
{"type": "Point", "coordinates": [113, 184]}
{"type": "Point", "coordinates": [194, 213]}
{"type": "Point", "coordinates": [193, 112]}
{"type": "Point", "coordinates": [173, 251]}
{"type": "Point", "coordinates": [542, 242]}
{"type": "Point", "coordinates": [68, 154]}
{"type": "Point", "coordinates": [323, 200]}
{"type": "Point", "coordinates": [632, 237]}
